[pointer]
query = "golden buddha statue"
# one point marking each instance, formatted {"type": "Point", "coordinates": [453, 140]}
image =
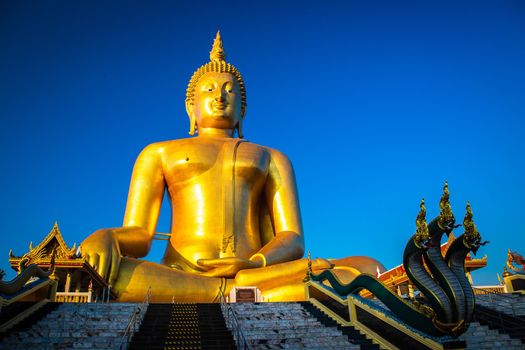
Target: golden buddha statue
{"type": "Point", "coordinates": [235, 211]}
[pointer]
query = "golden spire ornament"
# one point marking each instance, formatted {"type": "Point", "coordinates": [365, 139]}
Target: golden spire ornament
{"type": "Point", "coordinates": [217, 53]}
{"type": "Point", "coordinates": [308, 269]}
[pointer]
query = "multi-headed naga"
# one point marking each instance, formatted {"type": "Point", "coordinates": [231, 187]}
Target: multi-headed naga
{"type": "Point", "coordinates": [446, 302]}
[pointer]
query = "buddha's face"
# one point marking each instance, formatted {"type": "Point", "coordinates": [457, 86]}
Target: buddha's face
{"type": "Point", "coordinates": [217, 101]}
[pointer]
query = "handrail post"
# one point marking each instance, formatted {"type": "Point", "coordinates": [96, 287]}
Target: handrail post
{"type": "Point", "coordinates": [134, 322]}
{"type": "Point", "coordinates": [233, 323]}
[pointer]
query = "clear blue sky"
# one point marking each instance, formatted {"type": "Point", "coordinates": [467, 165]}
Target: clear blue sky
{"type": "Point", "coordinates": [376, 103]}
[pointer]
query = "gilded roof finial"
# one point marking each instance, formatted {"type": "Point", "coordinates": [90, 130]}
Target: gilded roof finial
{"type": "Point", "coordinates": [506, 272]}
{"type": "Point", "coordinates": [52, 266]}
{"type": "Point", "coordinates": [217, 53]}
{"type": "Point", "coordinates": [446, 217]}
{"type": "Point", "coordinates": [308, 268]}
{"type": "Point", "coordinates": [73, 250]}
{"type": "Point", "coordinates": [422, 234]}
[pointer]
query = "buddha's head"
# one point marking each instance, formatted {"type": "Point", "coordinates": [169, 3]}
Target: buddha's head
{"type": "Point", "coordinates": [216, 95]}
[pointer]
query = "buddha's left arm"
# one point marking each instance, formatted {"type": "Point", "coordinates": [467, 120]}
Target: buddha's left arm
{"type": "Point", "coordinates": [283, 204]}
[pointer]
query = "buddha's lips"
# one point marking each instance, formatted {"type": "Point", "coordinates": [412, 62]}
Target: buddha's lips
{"type": "Point", "coordinates": [219, 105]}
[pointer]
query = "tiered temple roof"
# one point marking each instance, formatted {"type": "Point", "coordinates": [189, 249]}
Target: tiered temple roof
{"type": "Point", "coordinates": [72, 269]}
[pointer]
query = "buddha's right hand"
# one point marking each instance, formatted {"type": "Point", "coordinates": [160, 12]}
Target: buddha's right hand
{"type": "Point", "coordinates": [102, 251]}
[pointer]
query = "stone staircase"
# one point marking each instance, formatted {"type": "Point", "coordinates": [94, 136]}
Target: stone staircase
{"type": "Point", "coordinates": [480, 337]}
{"type": "Point", "coordinates": [504, 313]}
{"type": "Point", "coordinates": [354, 336]}
{"type": "Point", "coordinates": [286, 326]}
{"type": "Point", "coordinates": [196, 326]}
{"type": "Point", "coordinates": [69, 326]}
{"type": "Point", "coordinates": [510, 304]}
{"type": "Point", "coordinates": [514, 326]}
{"type": "Point", "coordinates": [500, 322]}
{"type": "Point", "coordinates": [11, 311]}
{"type": "Point", "coordinates": [183, 326]}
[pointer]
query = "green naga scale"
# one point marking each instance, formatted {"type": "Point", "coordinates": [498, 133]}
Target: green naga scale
{"type": "Point", "coordinates": [448, 303]}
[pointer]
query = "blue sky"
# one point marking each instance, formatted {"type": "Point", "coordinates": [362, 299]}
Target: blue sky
{"type": "Point", "coordinates": [376, 103]}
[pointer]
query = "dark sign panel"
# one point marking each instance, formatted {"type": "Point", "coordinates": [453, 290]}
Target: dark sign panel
{"type": "Point", "coordinates": [245, 295]}
{"type": "Point", "coordinates": [518, 284]}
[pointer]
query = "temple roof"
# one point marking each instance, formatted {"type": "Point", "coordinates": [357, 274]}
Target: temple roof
{"type": "Point", "coordinates": [43, 251]}
{"type": "Point", "coordinates": [65, 258]}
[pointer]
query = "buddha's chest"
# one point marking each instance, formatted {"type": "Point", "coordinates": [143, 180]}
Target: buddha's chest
{"type": "Point", "coordinates": [216, 163]}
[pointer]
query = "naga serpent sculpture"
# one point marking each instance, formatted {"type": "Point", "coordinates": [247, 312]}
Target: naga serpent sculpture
{"type": "Point", "coordinates": [515, 262]}
{"type": "Point", "coordinates": [444, 284]}
{"type": "Point", "coordinates": [26, 272]}
{"type": "Point", "coordinates": [13, 286]}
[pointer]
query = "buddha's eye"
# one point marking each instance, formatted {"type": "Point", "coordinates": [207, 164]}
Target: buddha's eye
{"type": "Point", "coordinates": [228, 88]}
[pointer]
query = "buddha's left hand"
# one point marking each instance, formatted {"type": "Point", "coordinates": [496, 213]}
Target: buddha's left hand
{"type": "Point", "coordinates": [227, 267]}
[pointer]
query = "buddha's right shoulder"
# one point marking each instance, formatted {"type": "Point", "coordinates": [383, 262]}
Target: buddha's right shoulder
{"type": "Point", "coordinates": [162, 147]}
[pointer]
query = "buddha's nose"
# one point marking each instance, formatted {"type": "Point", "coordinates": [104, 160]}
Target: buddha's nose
{"type": "Point", "coordinates": [219, 96]}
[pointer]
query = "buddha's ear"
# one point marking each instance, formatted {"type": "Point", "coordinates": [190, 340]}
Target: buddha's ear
{"type": "Point", "coordinates": [239, 128]}
{"type": "Point", "coordinates": [239, 123]}
{"type": "Point", "coordinates": [191, 114]}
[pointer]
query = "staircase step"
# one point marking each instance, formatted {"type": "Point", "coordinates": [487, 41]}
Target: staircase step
{"type": "Point", "coordinates": [32, 319]}
{"type": "Point", "coordinates": [354, 336]}
{"type": "Point", "coordinates": [183, 326]}
{"type": "Point", "coordinates": [503, 323]}
{"type": "Point", "coordinates": [481, 337]}
{"type": "Point", "coordinates": [73, 326]}
{"type": "Point", "coordinates": [286, 326]}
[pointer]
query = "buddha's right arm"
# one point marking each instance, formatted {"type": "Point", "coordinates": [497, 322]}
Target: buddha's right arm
{"type": "Point", "coordinates": [144, 201]}
{"type": "Point", "coordinates": [104, 247]}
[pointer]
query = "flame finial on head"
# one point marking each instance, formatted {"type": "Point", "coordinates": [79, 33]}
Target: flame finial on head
{"type": "Point", "coordinates": [308, 268]}
{"type": "Point", "coordinates": [217, 53]}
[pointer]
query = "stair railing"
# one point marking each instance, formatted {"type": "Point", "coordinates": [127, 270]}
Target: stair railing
{"type": "Point", "coordinates": [233, 323]}
{"type": "Point", "coordinates": [134, 322]}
